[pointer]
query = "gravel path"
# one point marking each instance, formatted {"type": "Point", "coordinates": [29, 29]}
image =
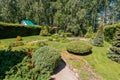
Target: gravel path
{"type": "Point", "coordinates": [63, 72]}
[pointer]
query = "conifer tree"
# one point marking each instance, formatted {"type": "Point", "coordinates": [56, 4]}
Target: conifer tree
{"type": "Point", "coordinates": [114, 51]}
{"type": "Point", "coordinates": [99, 38]}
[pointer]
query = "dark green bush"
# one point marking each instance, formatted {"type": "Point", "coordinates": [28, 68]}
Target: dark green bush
{"type": "Point", "coordinates": [46, 58]}
{"type": "Point", "coordinates": [114, 51]}
{"type": "Point", "coordinates": [23, 71]}
{"type": "Point", "coordinates": [8, 59]}
{"type": "Point", "coordinates": [109, 32]}
{"type": "Point", "coordinates": [79, 47]}
{"type": "Point", "coordinates": [12, 30]}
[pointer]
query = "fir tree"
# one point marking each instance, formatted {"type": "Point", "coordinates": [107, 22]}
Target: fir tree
{"type": "Point", "coordinates": [99, 38]}
{"type": "Point", "coordinates": [114, 51]}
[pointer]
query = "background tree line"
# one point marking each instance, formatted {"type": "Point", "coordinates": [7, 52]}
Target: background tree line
{"type": "Point", "coordinates": [74, 16]}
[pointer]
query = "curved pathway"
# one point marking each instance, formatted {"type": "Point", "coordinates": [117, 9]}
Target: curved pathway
{"type": "Point", "coordinates": [63, 72]}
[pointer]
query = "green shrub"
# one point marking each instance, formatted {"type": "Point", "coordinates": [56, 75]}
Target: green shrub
{"type": "Point", "coordinates": [109, 32]}
{"type": "Point", "coordinates": [50, 39]}
{"type": "Point", "coordinates": [37, 43]}
{"type": "Point", "coordinates": [56, 37]}
{"type": "Point", "coordinates": [114, 51]}
{"type": "Point", "coordinates": [45, 31]}
{"type": "Point", "coordinates": [60, 32]}
{"type": "Point", "coordinates": [79, 47]}
{"type": "Point", "coordinates": [89, 33]}
{"type": "Point", "coordinates": [8, 59]}
{"type": "Point", "coordinates": [12, 30]}
{"type": "Point", "coordinates": [68, 34]}
{"type": "Point", "coordinates": [46, 58]}
{"type": "Point", "coordinates": [99, 37]}
{"type": "Point", "coordinates": [23, 71]}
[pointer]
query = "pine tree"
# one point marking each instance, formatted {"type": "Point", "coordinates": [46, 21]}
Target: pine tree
{"type": "Point", "coordinates": [114, 51]}
{"type": "Point", "coordinates": [99, 38]}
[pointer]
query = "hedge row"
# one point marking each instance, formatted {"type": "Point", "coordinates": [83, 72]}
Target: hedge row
{"type": "Point", "coordinates": [13, 30]}
{"type": "Point", "coordinates": [109, 32]}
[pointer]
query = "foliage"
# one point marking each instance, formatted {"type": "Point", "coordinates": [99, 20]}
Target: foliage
{"type": "Point", "coordinates": [75, 30]}
{"type": "Point", "coordinates": [67, 34]}
{"type": "Point", "coordinates": [99, 37]}
{"type": "Point", "coordinates": [18, 38]}
{"type": "Point", "coordinates": [24, 70]}
{"type": "Point", "coordinates": [56, 37]}
{"type": "Point", "coordinates": [46, 58]}
{"type": "Point", "coordinates": [114, 51]}
{"type": "Point", "coordinates": [79, 47]}
{"type": "Point", "coordinates": [109, 32]}
{"type": "Point", "coordinates": [8, 59]}
{"type": "Point", "coordinates": [12, 30]}
{"type": "Point", "coordinates": [64, 40]}
{"type": "Point", "coordinates": [45, 31]}
{"type": "Point", "coordinates": [37, 43]}
{"type": "Point", "coordinates": [57, 12]}
{"type": "Point", "coordinates": [89, 33]}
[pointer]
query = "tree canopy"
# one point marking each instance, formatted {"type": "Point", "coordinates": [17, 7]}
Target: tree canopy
{"type": "Point", "coordinates": [67, 14]}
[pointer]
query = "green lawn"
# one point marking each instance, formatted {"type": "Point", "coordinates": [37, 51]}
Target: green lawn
{"type": "Point", "coordinates": [98, 60]}
{"type": "Point", "coordinates": [106, 68]}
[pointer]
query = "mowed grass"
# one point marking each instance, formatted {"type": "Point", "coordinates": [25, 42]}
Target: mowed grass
{"type": "Point", "coordinates": [28, 38]}
{"type": "Point", "coordinates": [106, 68]}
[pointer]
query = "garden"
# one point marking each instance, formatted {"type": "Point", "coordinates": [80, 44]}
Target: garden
{"type": "Point", "coordinates": [37, 55]}
{"type": "Point", "coordinates": [59, 40]}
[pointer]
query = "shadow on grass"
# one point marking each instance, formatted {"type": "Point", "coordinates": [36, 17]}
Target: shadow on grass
{"type": "Point", "coordinates": [8, 59]}
{"type": "Point", "coordinates": [85, 54]}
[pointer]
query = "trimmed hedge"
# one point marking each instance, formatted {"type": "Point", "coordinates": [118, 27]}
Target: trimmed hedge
{"type": "Point", "coordinates": [13, 30]}
{"type": "Point", "coordinates": [109, 32]}
{"type": "Point", "coordinates": [79, 47]}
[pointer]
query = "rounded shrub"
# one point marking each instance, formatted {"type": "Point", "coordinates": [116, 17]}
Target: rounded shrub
{"type": "Point", "coordinates": [46, 57]}
{"type": "Point", "coordinates": [18, 38]}
{"type": "Point", "coordinates": [79, 47]}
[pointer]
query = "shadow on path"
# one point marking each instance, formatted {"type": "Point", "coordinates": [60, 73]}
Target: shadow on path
{"type": "Point", "coordinates": [63, 72]}
{"type": "Point", "coordinates": [60, 67]}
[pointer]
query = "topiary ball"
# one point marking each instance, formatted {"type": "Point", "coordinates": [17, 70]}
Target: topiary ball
{"type": "Point", "coordinates": [79, 47]}
{"type": "Point", "coordinates": [46, 57]}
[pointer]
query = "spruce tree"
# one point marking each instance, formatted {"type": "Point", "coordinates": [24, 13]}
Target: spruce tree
{"type": "Point", "coordinates": [114, 51]}
{"type": "Point", "coordinates": [99, 38]}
